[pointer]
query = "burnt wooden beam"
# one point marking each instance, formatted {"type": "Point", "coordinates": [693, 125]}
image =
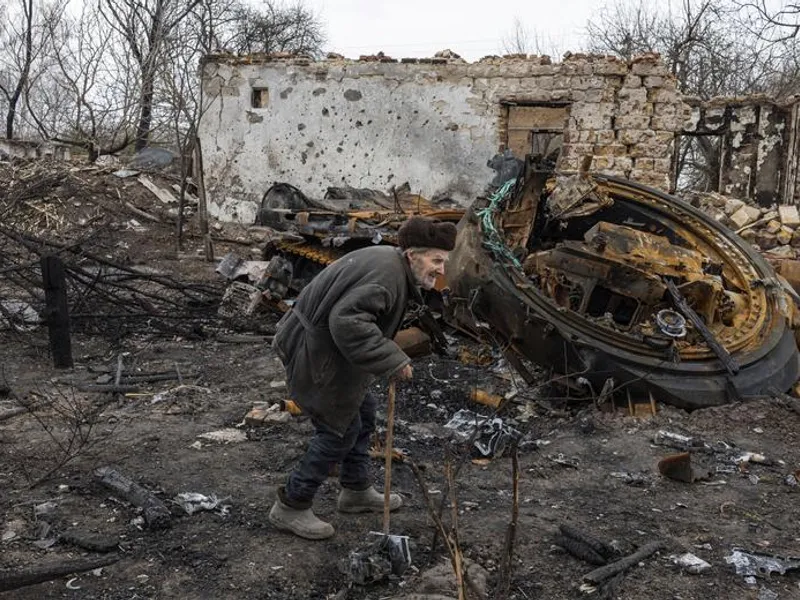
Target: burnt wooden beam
{"type": "Point", "coordinates": [57, 311]}
{"type": "Point", "coordinates": [608, 571]}
{"type": "Point", "coordinates": [156, 514]}
{"type": "Point", "coordinates": [12, 580]}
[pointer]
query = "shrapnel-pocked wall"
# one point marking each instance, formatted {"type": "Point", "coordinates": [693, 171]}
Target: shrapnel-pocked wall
{"type": "Point", "coordinates": [433, 123]}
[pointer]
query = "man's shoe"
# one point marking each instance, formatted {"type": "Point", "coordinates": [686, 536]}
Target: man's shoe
{"type": "Point", "coordinates": [368, 500]}
{"type": "Point", "coordinates": [301, 522]}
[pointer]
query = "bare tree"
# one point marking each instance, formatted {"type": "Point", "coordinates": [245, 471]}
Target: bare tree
{"type": "Point", "coordinates": [774, 24]}
{"type": "Point", "coordinates": [146, 25]}
{"type": "Point", "coordinates": [624, 29]}
{"type": "Point", "coordinates": [521, 40]}
{"type": "Point", "coordinates": [23, 38]}
{"type": "Point", "coordinates": [24, 59]}
{"type": "Point", "coordinates": [96, 86]}
{"type": "Point", "coordinates": [276, 28]}
{"type": "Point", "coordinates": [696, 38]}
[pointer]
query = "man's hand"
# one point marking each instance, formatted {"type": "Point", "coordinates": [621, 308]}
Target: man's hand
{"type": "Point", "coordinates": [405, 373]}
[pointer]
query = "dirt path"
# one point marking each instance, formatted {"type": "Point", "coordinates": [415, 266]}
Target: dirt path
{"type": "Point", "coordinates": [594, 470]}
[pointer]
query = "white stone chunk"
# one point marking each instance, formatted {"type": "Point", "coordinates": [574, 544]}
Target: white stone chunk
{"type": "Point", "coordinates": [789, 215]}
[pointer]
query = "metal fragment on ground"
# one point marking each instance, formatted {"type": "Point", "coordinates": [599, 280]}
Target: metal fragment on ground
{"type": "Point", "coordinates": [225, 436]}
{"type": "Point", "coordinates": [757, 564]}
{"type": "Point", "coordinates": [493, 435]}
{"type": "Point", "coordinates": [691, 563]}
{"type": "Point", "coordinates": [192, 502]}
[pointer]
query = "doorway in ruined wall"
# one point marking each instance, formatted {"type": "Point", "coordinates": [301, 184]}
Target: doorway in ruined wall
{"type": "Point", "coordinates": [535, 128]}
{"type": "Point", "coordinates": [697, 161]}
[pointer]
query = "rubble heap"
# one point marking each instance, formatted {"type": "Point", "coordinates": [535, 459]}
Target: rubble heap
{"type": "Point", "coordinates": [774, 230]}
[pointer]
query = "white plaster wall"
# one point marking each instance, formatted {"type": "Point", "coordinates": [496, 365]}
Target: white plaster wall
{"type": "Point", "coordinates": [365, 131]}
{"type": "Point", "coordinates": [376, 124]}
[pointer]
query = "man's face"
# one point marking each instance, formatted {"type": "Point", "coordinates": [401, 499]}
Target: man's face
{"type": "Point", "coordinates": [426, 265]}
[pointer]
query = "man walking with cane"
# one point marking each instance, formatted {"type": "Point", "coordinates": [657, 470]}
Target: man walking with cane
{"type": "Point", "coordinates": [336, 339]}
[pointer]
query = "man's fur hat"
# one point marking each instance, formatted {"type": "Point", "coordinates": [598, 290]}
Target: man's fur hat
{"type": "Point", "coordinates": [422, 232]}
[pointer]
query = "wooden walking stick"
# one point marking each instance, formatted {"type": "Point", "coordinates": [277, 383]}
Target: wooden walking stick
{"type": "Point", "coordinates": [388, 447]}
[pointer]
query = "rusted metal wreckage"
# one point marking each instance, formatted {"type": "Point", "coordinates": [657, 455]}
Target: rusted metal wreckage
{"type": "Point", "coordinates": [616, 285]}
{"type": "Point", "coordinates": [625, 287]}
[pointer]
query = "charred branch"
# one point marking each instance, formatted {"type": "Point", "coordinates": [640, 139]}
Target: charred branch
{"type": "Point", "coordinates": [608, 571]}
{"type": "Point", "coordinates": [12, 580]}
{"type": "Point", "coordinates": [156, 514]}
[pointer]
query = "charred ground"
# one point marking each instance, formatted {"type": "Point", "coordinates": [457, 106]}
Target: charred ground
{"type": "Point", "coordinates": [579, 464]}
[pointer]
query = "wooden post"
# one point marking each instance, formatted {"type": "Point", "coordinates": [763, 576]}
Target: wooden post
{"type": "Point", "coordinates": [57, 311]}
{"type": "Point", "coordinates": [202, 208]}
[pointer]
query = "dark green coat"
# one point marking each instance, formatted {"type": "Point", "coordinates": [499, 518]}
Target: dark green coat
{"type": "Point", "coordinates": [338, 336]}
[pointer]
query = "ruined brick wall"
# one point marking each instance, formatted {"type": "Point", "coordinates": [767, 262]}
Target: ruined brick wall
{"type": "Point", "coordinates": [431, 122]}
{"type": "Point", "coordinates": [792, 180]}
{"type": "Point", "coordinates": [753, 139]}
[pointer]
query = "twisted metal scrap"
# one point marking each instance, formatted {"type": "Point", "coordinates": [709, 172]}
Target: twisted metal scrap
{"type": "Point", "coordinates": [492, 238]}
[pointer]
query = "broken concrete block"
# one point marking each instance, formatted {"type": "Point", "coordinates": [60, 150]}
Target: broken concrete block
{"type": "Point", "coordinates": [716, 214]}
{"type": "Point", "coordinates": [766, 241]}
{"type": "Point", "coordinates": [261, 414]}
{"type": "Point", "coordinates": [749, 235]}
{"type": "Point", "coordinates": [745, 216]}
{"type": "Point", "coordinates": [732, 205]}
{"type": "Point", "coordinates": [783, 252]}
{"type": "Point", "coordinates": [784, 236]}
{"type": "Point", "coordinates": [795, 242]}
{"type": "Point", "coordinates": [790, 270]}
{"type": "Point", "coordinates": [773, 226]}
{"type": "Point", "coordinates": [789, 215]}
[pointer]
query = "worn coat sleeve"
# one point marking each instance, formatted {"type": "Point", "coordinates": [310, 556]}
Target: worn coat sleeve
{"type": "Point", "coordinates": [353, 326]}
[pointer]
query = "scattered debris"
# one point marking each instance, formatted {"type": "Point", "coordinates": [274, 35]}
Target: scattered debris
{"type": "Point", "coordinates": [192, 502]}
{"type": "Point", "coordinates": [691, 563]}
{"type": "Point", "coordinates": [151, 158]}
{"type": "Point", "coordinates": [585, 546]}
{"type": "Point", "coordinates": [94, 542]}
{"type": "Point", "coordinates": [18, 315]}
{"type": "Point", "coordinates": [264, 413]}
{"type": "Point", "coordinates": [757, 564]}
{"type": "Point", "coordinates": [490, 434]}
{"type": "Point", "coordinates": [677, 440]}
{"type": "Point", "coordinates": [164, 195]}
{"type": "Point", "coordinates": [18, 578]}
{"type": "Point", "coordinates": [155, 512]}
{"type": "Point", "coordinates": [378, 560]}
{"type": "Point", "coordinates": [610, 570]}
{"type": "Point", "coordinates": [485, 398]}
{"type": "Point", "coordinates": [224, 436]}
{"type": "Point", "coordinates": [679, 467]}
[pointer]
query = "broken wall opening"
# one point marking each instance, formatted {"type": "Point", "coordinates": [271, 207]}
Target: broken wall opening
{"type": "Point", "coordinates": [741, 147]}
{"type": "Point", "coordinates": [697, 163]}
{"type": "Point", "coordinates": [535, 128]}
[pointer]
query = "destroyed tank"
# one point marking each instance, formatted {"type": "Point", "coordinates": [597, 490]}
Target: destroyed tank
{"type": "Point", "coordinates": [314, 233]}
{"type": "Point", "coordinates": [626, 290]}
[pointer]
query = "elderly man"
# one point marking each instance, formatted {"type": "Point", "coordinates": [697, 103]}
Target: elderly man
{"type": "Point", "coordinates": [334, 341]}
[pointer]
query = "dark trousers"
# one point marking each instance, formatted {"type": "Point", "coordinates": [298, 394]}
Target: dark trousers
{"type": "Point", "coordinates": [327, 449]}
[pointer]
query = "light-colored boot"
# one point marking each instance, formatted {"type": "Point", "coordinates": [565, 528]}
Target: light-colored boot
{"type": "Point", "coordinates": [368, 500]}
{"type": "Point", "coordinates": [301, 522]}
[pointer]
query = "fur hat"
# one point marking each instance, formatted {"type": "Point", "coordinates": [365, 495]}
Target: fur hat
{"type": "Point", "coordinates": [422, 232]}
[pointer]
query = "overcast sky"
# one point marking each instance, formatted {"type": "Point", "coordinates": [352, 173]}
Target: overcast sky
{"type": "Point", "coordinates": [471, 28]}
